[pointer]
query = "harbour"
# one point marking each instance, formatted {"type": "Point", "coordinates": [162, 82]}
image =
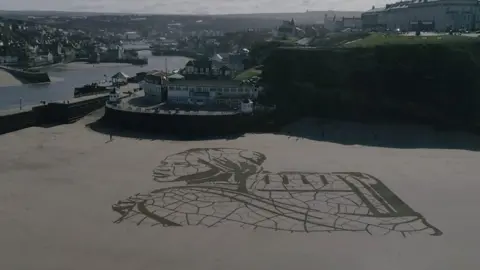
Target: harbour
{"type": "Point", "coordinates": [66, 77]}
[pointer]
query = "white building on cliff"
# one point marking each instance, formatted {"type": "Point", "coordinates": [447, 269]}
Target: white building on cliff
{"type": "Point", "coordinates": [428, 15]}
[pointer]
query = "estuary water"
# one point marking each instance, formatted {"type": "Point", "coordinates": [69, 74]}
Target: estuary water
{"type": "Point", "coordinates": [66, 77]}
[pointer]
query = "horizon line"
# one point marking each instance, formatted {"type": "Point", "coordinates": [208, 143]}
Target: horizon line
{"type": "Point", "coordinates": [177, 14]}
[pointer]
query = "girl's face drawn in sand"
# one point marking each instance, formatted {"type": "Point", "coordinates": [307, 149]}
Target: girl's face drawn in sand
{"type": "Point", "coordinates": [196, 166]}
{"type": "Point", "coordinates": [223, 186]}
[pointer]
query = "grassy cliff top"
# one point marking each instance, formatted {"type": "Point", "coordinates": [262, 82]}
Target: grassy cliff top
{"type": "Point", "coordinates": [248, 74]}
{"type": "Point", "coordinates": [386, 39]}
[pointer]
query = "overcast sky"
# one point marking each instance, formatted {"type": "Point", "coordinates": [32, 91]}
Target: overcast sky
{"type": "Point", "coordinates": [190, 6]}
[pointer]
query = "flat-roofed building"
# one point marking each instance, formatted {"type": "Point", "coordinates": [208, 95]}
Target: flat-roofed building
{"type": "Point", "coordinates": [209, 92]}
{"type": "Point", "coordinates": [424, 15]}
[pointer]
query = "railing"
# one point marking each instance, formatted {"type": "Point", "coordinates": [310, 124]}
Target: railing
{"type": "Point", "coordinates": [124, 107]}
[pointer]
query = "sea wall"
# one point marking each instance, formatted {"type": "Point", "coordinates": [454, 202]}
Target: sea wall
{"type": "Point", "coordinates": [54, 113]}
{"type": "Point", "coordinates": [192, 125]}
{"type": "Point", "coordinates": [69, 112]}
{"type": "Point", "coordinates": [28, 76]}
{"type": "Point", "coordinates": [19, 120]}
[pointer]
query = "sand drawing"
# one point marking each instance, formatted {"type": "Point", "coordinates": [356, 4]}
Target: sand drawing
{"type": "Point", "coordinates": [229, 187]}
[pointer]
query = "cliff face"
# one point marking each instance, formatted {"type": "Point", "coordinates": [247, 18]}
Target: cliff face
{"type": "Point", "coordinates": [435, 84]}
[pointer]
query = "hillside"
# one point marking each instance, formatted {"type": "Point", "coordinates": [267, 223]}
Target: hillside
{"type": "Point", "coordinates": [309, 17]}
{"type": "Point", "coordinates": [423, 83]}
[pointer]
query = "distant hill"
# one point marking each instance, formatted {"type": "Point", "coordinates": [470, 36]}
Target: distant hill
{"type": "Point", "coordinates": [24, 14]}
{"type": "Point", "coordinates": [301, 18]}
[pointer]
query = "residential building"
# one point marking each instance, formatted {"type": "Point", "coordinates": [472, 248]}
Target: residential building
{"type": "Point", "coordinates": [154, 85]}
{"type": "Point", "coordinates": [206, 69]}
{"type": "Point", "coordinates": [5, 60]}
{"type": "Point", "coordinates": [131, 35]}
{"type": "Point", "coordinates": [332, 24]}
{"type": "Point", "coordinates": [115, 52]}
{"type": "Point", "coordinates": [424, 15]}
{"type": "Point", "coordinates": [210, 92]}
{"type": "Point", "coordinates": [287, 29]}
{"type": "Point", "coordinates": [370, 19]}
{"type": "Point", "coordinates": [42, 59]}
{"type": "Point", "coordinates": [335, 24]}
{"type": "Point", "coordinates": [353, 23]}
{"type": "Point", "coordinates": [236, 61]}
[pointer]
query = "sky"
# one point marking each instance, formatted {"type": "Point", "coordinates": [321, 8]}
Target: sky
{"type": "Point", "coordinates": [191, 6]}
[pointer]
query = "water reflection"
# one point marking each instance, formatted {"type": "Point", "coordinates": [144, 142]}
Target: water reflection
{"type": "Point", "coordinates": [66, 77]}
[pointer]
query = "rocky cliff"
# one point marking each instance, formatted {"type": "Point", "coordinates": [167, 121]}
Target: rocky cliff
{"type": "Point", "coordinates": [436, 84]}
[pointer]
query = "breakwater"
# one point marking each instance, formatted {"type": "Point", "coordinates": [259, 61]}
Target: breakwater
{"type": "Point", "coordinates": [135, 61]}
{"type": "Point", "coordinates": [54, 113]}
{"type": "Point", "coordinates": [184, 53]}
{"type": "Point", "coordinates": [27, 76]}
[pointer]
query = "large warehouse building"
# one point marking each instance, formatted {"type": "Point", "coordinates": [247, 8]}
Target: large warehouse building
{"type": "Point", "coordinates": [426, 15]}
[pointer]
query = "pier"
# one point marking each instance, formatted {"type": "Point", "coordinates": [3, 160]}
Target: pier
{"type": "Point", "coordinates": [53, 113]}
{"type": "Point", "coordinates": [27, 76]}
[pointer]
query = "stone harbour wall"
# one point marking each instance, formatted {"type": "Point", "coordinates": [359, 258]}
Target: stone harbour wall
{"type": "Point", "coordinates": [55, 113]}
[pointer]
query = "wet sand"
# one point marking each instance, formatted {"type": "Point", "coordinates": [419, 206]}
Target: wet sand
{"type": "Point", "coordinates": [58, 185]}
{"type": "Point", "coordinates": [7, 79]}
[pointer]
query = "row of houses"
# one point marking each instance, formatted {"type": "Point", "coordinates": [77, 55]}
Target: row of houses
{"type": "Point", "coordinates": [424, 15]}
{"type": "Point", "coordinates": [26, 43]}
{"type": "Point", "coordinates": [335, 24]}
{"type": "Point", "coordinates": [44, 54]}
{"type": "Point", "coordinates": [405, 15]}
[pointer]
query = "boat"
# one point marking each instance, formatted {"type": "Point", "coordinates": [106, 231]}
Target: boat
{"type": "Point", "coordinates": [92, 89]}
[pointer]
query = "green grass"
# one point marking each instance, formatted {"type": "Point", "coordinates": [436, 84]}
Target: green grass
{"type": "Point", "coordinates": [247, 74]}
{"type": "Point", "coordinates": [383, 39]}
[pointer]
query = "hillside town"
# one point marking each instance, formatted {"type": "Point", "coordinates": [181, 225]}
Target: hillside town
{"type": "Point", "coordinates": [37, 41]}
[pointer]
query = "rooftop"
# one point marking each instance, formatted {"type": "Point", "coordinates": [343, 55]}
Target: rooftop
{"type": "Point", "coordinates": [202, 63]}
{"type": "Point", "coordinates": [409, 3]}
{"type": "Point", "coordinates": [226, 83]}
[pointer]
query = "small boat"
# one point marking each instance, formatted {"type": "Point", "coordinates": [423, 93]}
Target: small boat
{"type": "Point", "coordinates": [92, 89]}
